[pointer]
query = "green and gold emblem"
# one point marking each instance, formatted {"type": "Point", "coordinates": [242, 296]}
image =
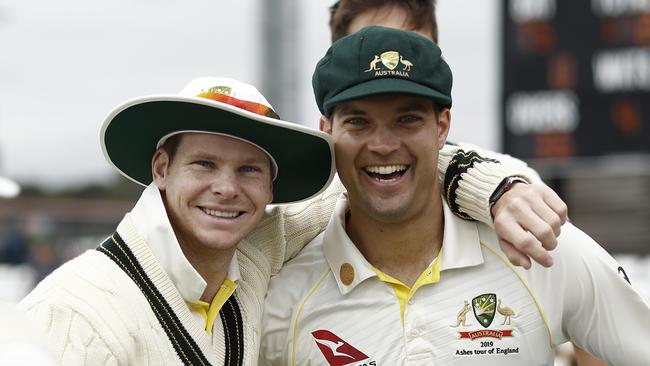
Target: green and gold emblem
{"type": "Point", "coordinates": [225, 90]}
{"type": "Point", "coordinates": [390, 59]}
{"type": "Point", "coordinates": [484, 307]}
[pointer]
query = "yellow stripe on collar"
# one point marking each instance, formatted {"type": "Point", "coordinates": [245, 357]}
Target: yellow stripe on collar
{"type": "Point", "coordinates": [209, 312]}
{"type": "Point", "coordinates": [404, 293]}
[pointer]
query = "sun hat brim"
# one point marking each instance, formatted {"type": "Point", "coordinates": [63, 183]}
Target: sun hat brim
{"type": "Point", "coordinates": [386, 86]}
{"type": "Point", "coordinates": [130, 133]}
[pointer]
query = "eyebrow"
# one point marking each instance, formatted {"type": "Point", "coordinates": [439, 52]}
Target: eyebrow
{"type": "Point", "coordinates": [410, 106]}
{"type": "Point", "coordinates": [415, 106]}
{"type": "Point", "coordinates": [242, 158]}
{"type": "Point", "coordinates": [350, 110]}
{"type": "Point", "coordinates": [256, 159]}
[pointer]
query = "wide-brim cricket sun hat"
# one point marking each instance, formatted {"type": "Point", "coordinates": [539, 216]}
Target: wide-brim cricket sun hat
{"type": "Point", "coordinates": [302, 158]}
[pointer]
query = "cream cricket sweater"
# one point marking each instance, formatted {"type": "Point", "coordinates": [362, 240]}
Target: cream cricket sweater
{"type": "Point", "coordinates": [93, 314]}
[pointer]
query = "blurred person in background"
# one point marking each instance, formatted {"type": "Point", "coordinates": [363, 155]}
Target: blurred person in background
{"type": "Point", "coordinates": [14, 248]}
{"type": "Point", "coordinates": [349, 16]}
{"type": "Point", "coordinates": [17, 277]}
{"type": "Point", "coordinates": [20, 341]}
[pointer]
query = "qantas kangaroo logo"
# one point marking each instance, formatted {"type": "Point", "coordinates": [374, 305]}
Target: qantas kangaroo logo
{"type": "Point", "coordinates": [337, 352]}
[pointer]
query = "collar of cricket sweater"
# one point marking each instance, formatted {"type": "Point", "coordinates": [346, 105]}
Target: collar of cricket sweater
{"type": "Point", "coordinates": [461, 247]}
{"type": "Point", "coordinates": [150, 219]}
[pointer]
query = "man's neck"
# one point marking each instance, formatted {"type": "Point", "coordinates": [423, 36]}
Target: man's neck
{"type": "Point", "coordinates": [402, 249]}
{"type": "Point", "coordinates": [211, 265]}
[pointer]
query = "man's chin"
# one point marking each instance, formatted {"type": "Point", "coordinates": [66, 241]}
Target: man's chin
{"type": "Point", "coordinates": [219, 240]}
{"type": "Point", "coordinates": [390, 210]}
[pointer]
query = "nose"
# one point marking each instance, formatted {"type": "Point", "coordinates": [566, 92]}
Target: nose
{"type": "Point", "coordinates": [225, 184]}
{"type": "Point", "coordinates": [383, 141]}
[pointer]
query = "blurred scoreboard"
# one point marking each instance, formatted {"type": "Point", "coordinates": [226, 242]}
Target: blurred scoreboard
{"type": "Point", "coordinates": [576, 77]}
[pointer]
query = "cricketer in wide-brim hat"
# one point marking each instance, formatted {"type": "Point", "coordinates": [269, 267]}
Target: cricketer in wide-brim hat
{"type": "Point", "coordinates": [301, 158]}
{"type": "Point", "coordinates": [377, 61]}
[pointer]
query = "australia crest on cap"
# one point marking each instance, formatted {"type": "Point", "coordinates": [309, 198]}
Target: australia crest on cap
{"type": "Point", "coordinates": [386, 64]}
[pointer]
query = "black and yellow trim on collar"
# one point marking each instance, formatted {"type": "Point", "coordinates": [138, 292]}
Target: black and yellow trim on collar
{"type": "Point", "coordinates": [186, 348]}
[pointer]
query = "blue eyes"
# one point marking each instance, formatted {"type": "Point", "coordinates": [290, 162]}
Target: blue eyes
{"type": "Point", "coordinates": [356, 122]}
{"type": "Point", "coordinates": [409, 119]}
{"type": "Point", "coordinates": [359, 122]}
{"type": "Point", "coordinates": [203, 163]}
{"type": "Point", "coordinates": [250, 169]}
{"type": "Point", "coordinates": [246, 169]}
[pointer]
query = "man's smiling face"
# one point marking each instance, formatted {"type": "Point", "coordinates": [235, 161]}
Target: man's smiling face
{"type": "Point", "coordinates": [387, 153]}
{"type": "Point", "coordinates": [215, 189]}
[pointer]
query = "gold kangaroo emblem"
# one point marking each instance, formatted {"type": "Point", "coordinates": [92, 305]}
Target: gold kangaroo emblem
{"type": "Point", "coordinates": [507, 312]}
{"type": "Point", "coordinates": [407, 64]}
{"type": "Point", "coordinates": [373, 63]}
{"type": "Point", "coordinates": [461, 318]}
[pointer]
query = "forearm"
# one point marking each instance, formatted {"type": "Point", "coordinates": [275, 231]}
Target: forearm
{"type": "Point", "coordinates": [469, 177]}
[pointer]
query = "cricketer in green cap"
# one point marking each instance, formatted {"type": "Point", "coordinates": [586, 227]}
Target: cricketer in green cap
{"type": "Point", "coordinates": [385, 95]}
{"type": "Point", "coordinates": [378, 60]}
{"type": "Point", "coordinates": [384, 283]}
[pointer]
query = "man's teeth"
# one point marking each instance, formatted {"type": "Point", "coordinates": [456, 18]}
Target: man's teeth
{"type": "Point", "coordinates": [390, 169]}
{"type": "Point", "coordinates": [216, 213]}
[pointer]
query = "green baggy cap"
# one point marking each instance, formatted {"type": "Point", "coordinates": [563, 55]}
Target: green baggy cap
{"type": "Point", "coordinates": [378, 60]}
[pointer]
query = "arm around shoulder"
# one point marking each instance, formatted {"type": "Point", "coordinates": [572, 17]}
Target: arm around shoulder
{"type": "Point", "coordinates": [527, 219]}
{"type": "Point", "coordinates": [470, 175]}
{"type": "Point", "coordinates": [286, 229]}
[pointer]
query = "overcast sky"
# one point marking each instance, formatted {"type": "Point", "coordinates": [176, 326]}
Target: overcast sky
{"type": "Point", "coordinates": [65, 64]}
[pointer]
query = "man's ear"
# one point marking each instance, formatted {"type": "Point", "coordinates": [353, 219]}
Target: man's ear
{"type": "Point", "coordinates": [444, 122]}
{"type": "Point", "coordinates": [325, 124]}
{"type": "Point", "coordinates": [159, 168]}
